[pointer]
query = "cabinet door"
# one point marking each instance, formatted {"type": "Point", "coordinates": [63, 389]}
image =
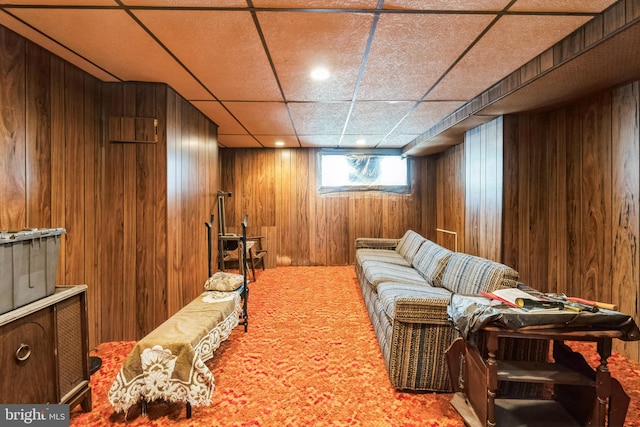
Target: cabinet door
{"type": "Point", "coordinates": [27, 367]}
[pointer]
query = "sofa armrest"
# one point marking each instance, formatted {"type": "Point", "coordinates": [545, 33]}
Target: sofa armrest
{"type": "Point", "coordinates": [422, 310]}
{"type": "Point", "coordinates": [376, 243]}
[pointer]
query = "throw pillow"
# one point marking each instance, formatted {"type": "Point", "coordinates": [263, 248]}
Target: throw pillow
{"type": "Point", "coordinates": [224, 282]}
{"type": "Point", "coordinates": [409, 244]}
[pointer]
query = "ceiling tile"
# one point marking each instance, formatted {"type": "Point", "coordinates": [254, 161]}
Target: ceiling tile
{"type": "Point", "coordinates": [317, 4]}
{"type": "Point", "coordinates": [222, 48]}
{"type": "Point", "coordinates": [66, 2]}
{"type": "Point", "coordinates": [397, 140]}
{"type": "Point", "coordinates": [310, 118]}
{"type": "Point", "coordinates": [589, 73]}
{"type": "Point", "coordinates": [356, 140]}
{"type": "Point", "coordinates": [590, 6]}
{"type": "Point", "coordinates": [290, 141]}
{"type": "Point", "coordinates": [264, 118]}
{"type": "Point", "coordinates": [227, 124]}
{"type": "Point", "coordinates": [370, 117]}
{"type": "Point", "coordinates": [484, 64]}
{"type": "Point", "coordinates": [45, 42]}
{"type": "Point", "coordinates": [186, 3]}
{"type": "Point", "coordinates": [426, 115]}
{"type": "Point", "coordinates": [114, 40]}
{"type": "Point", "coordinates": [462, 5]}
{"type": "Point", "coordinates": [238, 141]}
{"type": "Point", "coordinates": [300, 41]}
{"type": "Point", "coordinates": [411, 51]}
{"type": "Point", "coordinates": [212, 52]}
{"type": "Point", "coordinates": [327, 141]}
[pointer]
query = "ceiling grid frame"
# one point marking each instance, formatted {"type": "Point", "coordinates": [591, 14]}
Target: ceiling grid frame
{"type": "Point", "coordinates": [153, 46]}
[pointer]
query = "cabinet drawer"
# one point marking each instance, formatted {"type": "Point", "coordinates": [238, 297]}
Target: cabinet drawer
{"type": "Point", "coordinates": [26, 366]}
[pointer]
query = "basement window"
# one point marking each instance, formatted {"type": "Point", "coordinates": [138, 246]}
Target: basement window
{"type": "Point", "coordinates": [385, 171]}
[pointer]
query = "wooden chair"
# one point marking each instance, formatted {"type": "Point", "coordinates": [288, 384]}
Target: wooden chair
{"type": "Point", "coordinates": [256, 253]}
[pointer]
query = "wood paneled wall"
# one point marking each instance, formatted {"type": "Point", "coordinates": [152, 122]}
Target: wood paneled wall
{"type": "Point", "coordinates": [564, 213]}
{"type": "Point", "coordinates": [134, 213]}
{"type": "Point", "coordinates": [483, 191]}
{"type": "Point", "coordinates": [450, 198]}
{"type": "Point", "coordinates": [192, 182]}
{"type": "Point", "coordinates": [130, 219]}
{"type": "Point", "coordinates": [571, 221]}
{"type": "Point", "coordinates": [277, 189]}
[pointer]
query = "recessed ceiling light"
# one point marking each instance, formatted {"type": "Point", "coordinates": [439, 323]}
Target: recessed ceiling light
{"type": "Point", "coordinates": [279, 143]}
{"type": "Point", "coordinates": [361, 141]}
{"type": "Point", "coordinates": [320, 73]}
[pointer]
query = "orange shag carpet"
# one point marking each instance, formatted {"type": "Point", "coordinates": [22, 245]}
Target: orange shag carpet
{"type": "Point", "coordinates": [310, 358]}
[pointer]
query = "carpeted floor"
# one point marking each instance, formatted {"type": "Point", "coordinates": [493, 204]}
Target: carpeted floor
{"type": "Point", "coordinates": [310, 358]}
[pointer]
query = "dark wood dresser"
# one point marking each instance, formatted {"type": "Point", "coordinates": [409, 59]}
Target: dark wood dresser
{"type": "Point", "coordinates": [44, 351]}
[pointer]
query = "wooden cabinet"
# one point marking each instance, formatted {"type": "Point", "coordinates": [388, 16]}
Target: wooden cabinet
{"type": "Point", "coordinates": [44, 351]}
{"type": "Point", "coordinates": [133, 129]}
{"type": "Point", "coordinates": [578, 394]}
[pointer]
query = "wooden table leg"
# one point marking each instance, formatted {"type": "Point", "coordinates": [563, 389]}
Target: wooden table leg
{"type": "Point", "coordinates": [492, 377]}
{"type": "Point", "coordinates": [603, 381]}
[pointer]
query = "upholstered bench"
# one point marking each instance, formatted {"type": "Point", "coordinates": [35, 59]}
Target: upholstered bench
{"type": "Point", "coordinates": [168, 364]}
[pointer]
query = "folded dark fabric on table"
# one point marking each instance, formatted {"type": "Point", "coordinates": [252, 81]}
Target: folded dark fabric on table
{"type": "Point", "coordinates": [472, 313]}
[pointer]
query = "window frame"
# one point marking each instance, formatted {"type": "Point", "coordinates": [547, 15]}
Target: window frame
{"type": "Point", "coordinates": [398, 189]}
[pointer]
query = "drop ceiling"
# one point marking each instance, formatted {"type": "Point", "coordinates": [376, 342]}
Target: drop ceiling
{"type": "Point", "coordinates": [397, 67]}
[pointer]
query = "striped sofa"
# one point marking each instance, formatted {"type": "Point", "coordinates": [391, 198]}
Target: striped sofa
{"type": "Point", "coordinates": [407, 284]}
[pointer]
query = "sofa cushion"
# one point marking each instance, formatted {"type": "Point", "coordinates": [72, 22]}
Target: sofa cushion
{"type": "Point", "coordinates": [409, 244]}
{"type": "Point", "coordinates": [380, 255]}
{"type": "Point", "coordinates": [378, 272]}
{"type": "Point", "coordinates": [389, 292]}
{"type": "Point", "coordinates": [468, 274]}
{"type": "Point", "coordinates": [430, 261]}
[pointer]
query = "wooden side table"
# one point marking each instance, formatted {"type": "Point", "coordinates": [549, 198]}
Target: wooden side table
{"type": "Point", "coordinates": [581, 395]}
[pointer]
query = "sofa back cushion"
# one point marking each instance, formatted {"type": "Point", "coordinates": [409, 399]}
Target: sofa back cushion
{"type": "Point", "coordinates": [468, 274]}
{"type": "Point", "coordinates": [430, 261]}
{"type": "Point", "coordinates": [409, 244]}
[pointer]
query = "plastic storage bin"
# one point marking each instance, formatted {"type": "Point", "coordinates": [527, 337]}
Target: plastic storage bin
{"type": "Point", "coordinates": [28, 265]}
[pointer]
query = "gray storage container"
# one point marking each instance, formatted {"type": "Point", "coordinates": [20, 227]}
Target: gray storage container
{"type": "Point", "coordinates": [28, 265]}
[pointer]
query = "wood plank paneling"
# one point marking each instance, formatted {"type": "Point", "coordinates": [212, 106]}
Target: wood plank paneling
{"type": "Point", "coordinates": [192, 150]}
{"type": "Point", "coordinates": [307, 228]}
{"type": "Point", "coordinates": [596, 194]}
{"type": "Point", "coordinates": [38, 135]}
{"type": "Point", "coordinates": [625, 217]}
{"type": "Point", "coordinates": [473, 187]}
{"type": "Point", "coordinates": [127, 208]}
{"type": "Point", "coordinates": [579, 169]}
{"type": "Point", "coordinates": [426, 184]}
{"type": "Point", "coordinates": [13, 188]}
{"type": "Point", "coordinates": [483, 192]}
{"type": "Point", "coordinates": [174, 168]}
{"type": "Point", "coordinates": [451, 184]}
{"type": "Point", "coordinates": [538, 194]}
{"type": "Point", "coordinates": [93, 112]}
{"type": "Point", "coordinates": [74, 189]}
{"type": "Point", "coordinates": [511, 192]}
{"type": "Point", "coordinates": [135, 214]}
{"type": "Point", "coordinates": [492, 200]}
{"type": "Point", "coordinates": [114, 293]}
{"type": "Point", "coordinates": [557, 215]}
{"type": "Point", "coordinates": [58, 165]}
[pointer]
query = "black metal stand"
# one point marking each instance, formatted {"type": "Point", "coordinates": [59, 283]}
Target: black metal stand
{"type": "Point", "coordinates": [244, 289]}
